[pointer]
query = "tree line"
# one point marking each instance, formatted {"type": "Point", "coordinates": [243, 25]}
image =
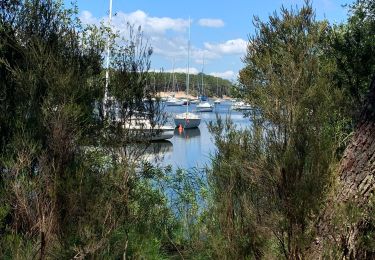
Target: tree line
{"type": "Point", "coordinates": [212, 86]}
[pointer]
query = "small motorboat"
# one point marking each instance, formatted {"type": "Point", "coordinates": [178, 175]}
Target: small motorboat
{"type": "Point", "coordinates": [241, 106]}
{"type": "Point", "coordinates": [185, 101]}
{"type": "Point", "coordinates": [205, 107]}
{"type": "Point", "coordinates": [194, 101]}
{"type": "Point", "coordinates": [174, 102]}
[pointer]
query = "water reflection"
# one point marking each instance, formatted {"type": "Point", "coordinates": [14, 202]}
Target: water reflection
{"type": "Point", "coordinates": [158, 151]}
{"type": "Point", "coordinates": [187, 133]}
{"type": "Point", "coordinates": [193, 147]}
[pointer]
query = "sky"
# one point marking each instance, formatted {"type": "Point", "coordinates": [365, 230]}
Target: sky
{"type": "Point", "coordinates": [219, 29]}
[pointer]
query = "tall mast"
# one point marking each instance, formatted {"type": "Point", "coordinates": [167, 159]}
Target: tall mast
{"type": "Point", "coordinates": [202, 77]}
{"type": "Point", "coordinates": [217, 86]}
{"type": "Point", "coordinates": [107, 64]}
{"type": "Point", "coordinates": [154, 81]}
{"type": "Point", "coordinates": [173, 84]}
{"type": "Point", "coordinates": [188, 63]}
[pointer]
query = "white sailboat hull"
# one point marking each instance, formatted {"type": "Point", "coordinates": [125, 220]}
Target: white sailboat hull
{"type": "Point", "coordinates": [153, 134]}
{"type": "Point", "coordinates": [143, 130]}
{"type": "Point", "coordinates": [174, 102]}
{"type": "Point", "coordinates": [187, 123]}
{"type": "Point", "coordinates": [187, 120]}
{"type": "Point", "coordinates": [205, 107]}
{"type": "Point", "coordinates": [240, 106]}
{"type": "Point", "coordinates": [163, 135]}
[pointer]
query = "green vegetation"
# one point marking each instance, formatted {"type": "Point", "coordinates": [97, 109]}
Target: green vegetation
{"type": "Point", "coordinates": [213, 86]}
{"type": "Point", "coordinates": [307, 82]}
{"type": "Point", "coordinates": [69, 187]}
{"type": "Point", "coordinates": [71, 181]}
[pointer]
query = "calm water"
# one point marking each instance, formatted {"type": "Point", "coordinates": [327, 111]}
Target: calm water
{"type": "Point", "coordinates": [192, 147]}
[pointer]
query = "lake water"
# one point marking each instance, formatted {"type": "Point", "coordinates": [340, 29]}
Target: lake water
{"type": "Point", "coordinates": [192, 147]}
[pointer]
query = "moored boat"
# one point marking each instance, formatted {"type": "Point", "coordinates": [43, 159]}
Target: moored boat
{"type": "Point", "coordinates": [185, 101]}
{"type": "Point", "coordinates": [205, 107]}
{"type": "Point", "coordinates": [240, 105]}
{"type": "Point", "coordinates": [174, 102]}
{"type": "Point", "coordinates": [142, 129]}
{"type": "Point", "coordinates": [187, 120]}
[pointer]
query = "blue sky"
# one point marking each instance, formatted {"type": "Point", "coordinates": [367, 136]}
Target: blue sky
{"type": "Point", "coordinates": [219, 29]}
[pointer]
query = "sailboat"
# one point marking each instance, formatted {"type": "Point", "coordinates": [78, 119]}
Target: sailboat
{"type": "Point", "coordinates": [218, 100]}
{"type": "Point", "coordinates": [204, 106]}
{"type": "Point", "coordinates": [172, 101]}
{"type": "Point", "coordinates": [187, 120]}
{"type": "Point", "coordinates": [140, 126]}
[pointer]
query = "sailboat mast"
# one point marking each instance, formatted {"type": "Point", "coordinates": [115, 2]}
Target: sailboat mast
{"type": "Point", "coordinates": [188, 63]}
{"type": "Point", "coordinates": [173, 84]}
{"type": "Point", "coordinates": [188, 66]}
{"type": "Point", "coordinates": [154, 81]}
{"type": "Point", "coordinates": [202, 76]}
{"type": "Point", "coordinates": [105, 100]}
{"type": "Point", "coordinates": [217, 86]}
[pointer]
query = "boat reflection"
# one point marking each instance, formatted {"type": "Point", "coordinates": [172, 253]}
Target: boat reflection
{"type": "Point", "coordinates": [187, 133]}
{"type": "Point", "coordinates": [157, 151]}
{"type": "Point", "coordinates": [154, 152]}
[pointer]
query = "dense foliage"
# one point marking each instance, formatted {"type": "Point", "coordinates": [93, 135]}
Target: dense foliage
{"type": "Point", "coordinates": [307, 82]}
{"type": "Point", "coordinates": [72, 180]}
{"type": "Point", "coordinates": [287, 154]}
{"type": "Point", "coordinates": [70, 186]}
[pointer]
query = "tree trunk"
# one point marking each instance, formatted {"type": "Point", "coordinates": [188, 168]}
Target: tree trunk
{"type": "Point", "coordinates": [355, 187]}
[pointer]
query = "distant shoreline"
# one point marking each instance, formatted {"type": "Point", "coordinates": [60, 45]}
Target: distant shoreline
{"type": "Point", "coordinates": [182, 94]}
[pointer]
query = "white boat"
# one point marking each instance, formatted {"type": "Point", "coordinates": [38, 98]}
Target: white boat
{"type": "Point", "coordinates": [205, 107]}
{"type": "Point", "coordinates": [240, 105]}
{"type": "Point", "coordinates": [185, 101]}
{"type": "Point", "coordinates": [174, 102]}
{"type": "Point", "coordinates": [142, 129]}
{"type": "Point", "coordinates": [218, 100]}
{"type": "Point", "coordinates": [187, 119]}
{"type": "Point", "coordinates": [194, 101]}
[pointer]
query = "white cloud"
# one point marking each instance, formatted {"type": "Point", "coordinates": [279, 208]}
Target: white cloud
{"type": "Point", "coordinates": [229, 74]}
{"type": "Point", "coordinates": [173, 47]}
{"type": "Point", "coordinates": [192, 70]}
{"type": "Point", "coordinates": [149, 24]}
{"type": "Point", "coordinates": [207, 22]}
{"type": "Point", "coordinates": [154, 28]}
{"type": "Point", "coordinates": [87, 18]}
{"type": "Point", "coordinates": [236, 46]}
{"type": "Point", "coordinates": [198, 55]}
{"type": "Point", "coordinates": [168, 38]}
